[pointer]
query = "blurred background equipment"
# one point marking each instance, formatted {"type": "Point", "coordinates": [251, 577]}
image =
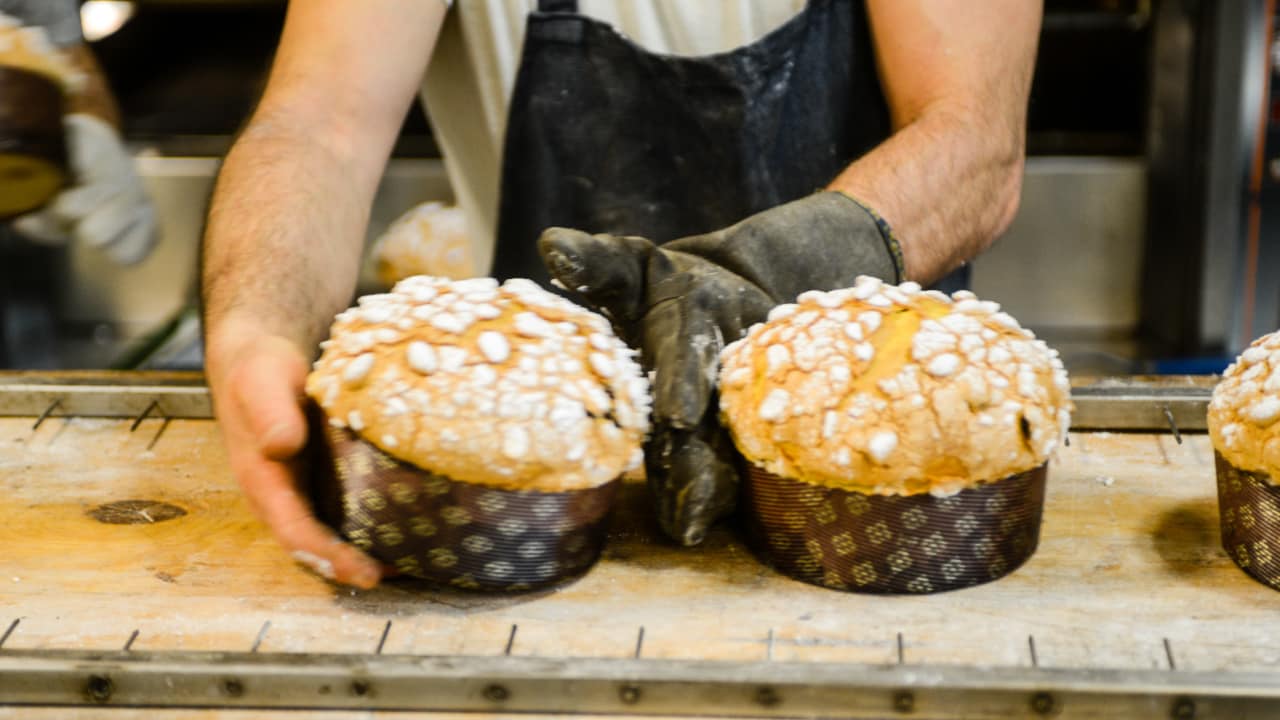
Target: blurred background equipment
{"type": "Point", "coordinates": [101, 18]}
{"type": "Point", "coordinates": [1141, 199]}
{"type": "Point", "coordinates": [33, 154]}
{"type": "Point", "coordinates": [1141, 244]}
{"type": "Point", "coordinates": [186, 75]}
{"type": "Point", "coordinates": [34, 76]}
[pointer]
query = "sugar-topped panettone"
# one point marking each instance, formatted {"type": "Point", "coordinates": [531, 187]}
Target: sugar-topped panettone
{"type": "Point", "coordinates": [1244, 414]}
{"type": "Point", "coordinates": [892, 390]}
{"type": "Point", "coordinates": [506, 385]}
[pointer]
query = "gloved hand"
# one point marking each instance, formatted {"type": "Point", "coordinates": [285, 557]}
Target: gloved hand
{"type": "Point", "coordinates": [106, 206]}
{"type": "Point", "coordinates": [682, 301]}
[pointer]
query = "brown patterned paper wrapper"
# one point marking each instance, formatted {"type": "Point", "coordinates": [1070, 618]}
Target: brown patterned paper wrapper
{"type": "Point", "coordinates": [1249, 509]}
{"type": "Point", "coordinates": [462, 534]}
{"type": "Point", "coordinates": [893, 544]}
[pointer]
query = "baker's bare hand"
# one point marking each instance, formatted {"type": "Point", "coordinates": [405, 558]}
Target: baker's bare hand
{"type": "Point", "coordinates": [256, 379]}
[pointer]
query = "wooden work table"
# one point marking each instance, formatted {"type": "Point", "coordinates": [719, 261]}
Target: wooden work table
{"type": "Point", "coordinates": [1129, 578]}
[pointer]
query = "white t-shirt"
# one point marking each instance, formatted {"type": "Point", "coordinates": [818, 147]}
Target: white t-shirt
{"type": "Point", "coordinates": [467, 88]}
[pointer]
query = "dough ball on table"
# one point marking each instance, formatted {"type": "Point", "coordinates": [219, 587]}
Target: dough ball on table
{"type": "Point", "coordinates": [430, 239]}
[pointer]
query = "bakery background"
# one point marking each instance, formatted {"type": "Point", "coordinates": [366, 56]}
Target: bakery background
{"type": "Point", "coordinates": [1148, 123]}
{"type": "Point", "coordinates": [1140, 245]}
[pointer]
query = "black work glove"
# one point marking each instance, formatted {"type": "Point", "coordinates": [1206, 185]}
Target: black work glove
{"type": "Point", "coordinates": [681, 302]}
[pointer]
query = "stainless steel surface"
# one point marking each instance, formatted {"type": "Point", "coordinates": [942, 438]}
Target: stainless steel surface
{"type": "Point", "coordinates": [21, 396]}
{"type": "Point", "coordinates": [1116, 404]}
{"type": "Point", "coordinates": [1069, 263]}
{"type": "Point", "coordinates": [1261, 311]}
{"type": "Point", "coordinates": [137, 298]}
{"type": "Point", "coordinates": [114, 306]}
{"type": "Point", "coordinates": [1072, 258]}
{"type": "Point", "coordinates": [1239, 45]}
{"type": "Point", "coordinates": [1176, 138]}
{"type": "Point", "coordinates": [621, 686]}
{"type": "Point", "coordinates": [1211, 260]}
{"type": "Point", "coordinates": [1129, 407]}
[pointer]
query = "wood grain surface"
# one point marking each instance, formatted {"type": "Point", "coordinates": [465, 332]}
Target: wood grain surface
{"type": "Point", "coordinates": [1129, 574]}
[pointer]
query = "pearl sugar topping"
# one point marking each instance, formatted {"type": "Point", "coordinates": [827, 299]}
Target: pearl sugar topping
{"type": "Point", "coordinates": [510, 370]}
{"type": "Point", "coordinates": [836, 360]}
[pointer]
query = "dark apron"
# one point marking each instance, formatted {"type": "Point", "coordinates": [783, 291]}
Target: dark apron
{"type": "Point", "coordinates": [606, 137]}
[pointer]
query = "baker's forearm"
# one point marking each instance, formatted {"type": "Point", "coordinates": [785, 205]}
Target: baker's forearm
{"type": "Point", "coordinates": [286, 226]}
{"type": "Point", "coordinates": [956, 75]}
{"type": "Point", "coordinates": [288, 216]}
{"type": "Point", "coordinates": [946, 183]}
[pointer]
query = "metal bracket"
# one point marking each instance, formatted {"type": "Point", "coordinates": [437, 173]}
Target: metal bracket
{"type": "Point", "coordinates": [108, 395]}
{"type": "Point", "coordinates": [1134, 406]}
{"type": "Point", "coordinates": [1113, 404]}
{"type": "Point", "coordinates": [617, 686]}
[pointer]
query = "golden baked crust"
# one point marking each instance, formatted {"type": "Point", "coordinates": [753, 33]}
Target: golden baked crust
{"type": "Point", "coordinates": [891, 390]}
{"type": "Point", "coordinates": [1245, 408]}
{"type": "Point", "coordinates": [507, 386]}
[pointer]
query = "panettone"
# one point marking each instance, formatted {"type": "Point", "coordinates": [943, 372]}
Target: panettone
{"type": "Point", "coordinates": [1245, 408]}
{"type": "Point", "coordinates": [895, 440]}
{"type": "Point", "coordinates": [893, 391]}
{"type": "Point", "coordinates": [1244, 426]}
{"type": "Point", "coordinates": [476, 432]}
{"type": "Point", "coordinates": [506, 386]}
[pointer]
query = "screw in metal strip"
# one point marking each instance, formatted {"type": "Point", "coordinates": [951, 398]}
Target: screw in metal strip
{"type": "Point", "coordinates": [629, 694]}
{"type": "Point", "coordinates": [163, 426]}
{"type": "Point", "coordinates": [45, 415]}
{"type": "Point", "coordinates": [511, 640]}
{"type": "Point", "coordinates": [382, 641]}
{"type": "Point", "coordinates": [155, 404]}
{"type": "Point", "coordinates": [1042, 703]}
{"type": "Point", "coordinates": [12, 626]}
{"type": "Point", "coordinates": [99, 688]}
{"type": "Point", "coordinates": [1183, 709]}
{"type": "Point", "coordinates": [1168, 415]}
{"type": "Point", "coordinates": [262, 634]}
{"type": "Point", "coordinates": [767, 697]}
{"type": "Point", "coordinates": [232, 687]}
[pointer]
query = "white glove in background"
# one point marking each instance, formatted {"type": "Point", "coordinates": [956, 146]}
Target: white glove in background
{"type": "Point", "coordinates": [106, 206]}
